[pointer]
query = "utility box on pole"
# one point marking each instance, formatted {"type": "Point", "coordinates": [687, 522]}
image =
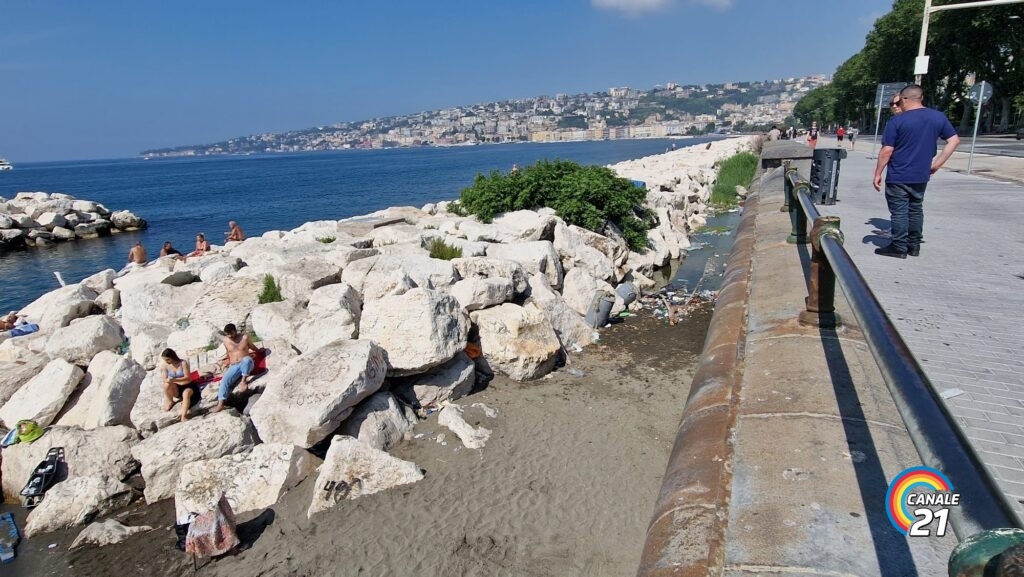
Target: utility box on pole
{"type": "Point", "coordinates": [825, 174]}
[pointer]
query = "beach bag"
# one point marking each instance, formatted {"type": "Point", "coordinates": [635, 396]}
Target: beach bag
{"type": "Point", "coordinates": [213, 533]}
{"type": "Point", "coordinates": [28, 431]}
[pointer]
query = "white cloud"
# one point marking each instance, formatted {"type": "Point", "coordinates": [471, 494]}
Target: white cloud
{"type": "Point", "coordinates": [631, 6]}
{"type": "Point", "coordinates": [720, 4]}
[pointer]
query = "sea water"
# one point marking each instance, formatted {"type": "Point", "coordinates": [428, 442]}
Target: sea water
{"type": "Point", "coordinates": [180, 197]}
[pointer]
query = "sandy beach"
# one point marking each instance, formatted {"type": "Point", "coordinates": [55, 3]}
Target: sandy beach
{"type": "Point", "coordinates": [565, 485]}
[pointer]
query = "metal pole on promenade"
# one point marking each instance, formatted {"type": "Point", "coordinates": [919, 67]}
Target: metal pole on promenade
{"type": "Point", "coordinates": [878, 120]}
{"type": "Point", "coordinates": [974, 137]}
{"type": "Point", "coordinates": [921, 64]}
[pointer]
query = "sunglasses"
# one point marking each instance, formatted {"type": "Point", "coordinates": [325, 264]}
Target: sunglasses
{"type": "Point", "coordinates": [896, 103]}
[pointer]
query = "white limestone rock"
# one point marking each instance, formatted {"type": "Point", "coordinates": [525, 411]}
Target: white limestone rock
{"type": "Point", "coordinates": [75, 502]}
{"type": "Point", "coordinates": [105, 451]}
{"type": "Point", "coordinates": [569, 325]}
{"type": "Point", "coordinates": [79, 342]}
{"type": "Point", "coordinates": [525, 226]}
{"type": "Point", "coordinates": [468, 248]}
{"type": "Point", "coordinates": [107, 532]}
{"type": "Point", "coordinates": [419, 330]}
{"type": "Point", "coordinates": [58, 308]}
{"type": "Point", "coordinates": [581, 289]}
{"type": "Point", "coordinates": [124, 219]}
{"type": "Point", "coordinates": [110, 388]}
{"type": "Point", "coordinates": [250, 481]}
{"type": "Point", "coordinates": [333, 313]}
{"type": "Point", "coordinates": [488, 267]}
{"type": "Point", "coordinates": [480, 293]}
{"type": "Point", "coordinates": [164, 454]}
{"type": "Point", "coordinates": [448, 382]}
{"type": "Point", "coordinates": [517, 341]}
{"type": "Point", "coordinates": [352, 469]}
{"type": "Point", "coordinates": [156, 303]}
{"type": "Point", "coordinates": [279, 353]}
{"type": "Point", "coordinates": [108, 301]}
{"type": "Point", "coordinates": [148, 415]}
{"type": "Point", "coordinates": [228, 301]}
{"type": "Point", "coordinates": [147, 343]}
{"type": "Point", "coordinates": [43, 396]}
{"type": "Point", "coordinates": [379, 421]}
{"type": "Point", "coordinates": [375, 277]}
{"type": "Point", "coordinates": [15, 374]}
{"type": "Point", "coordinates": [197, 337]}
{"type": "Point", "coordinates": [49, 220]}
{"type": "Point", "coordinates": [280, 320]}
{"type": "Point", "coordinates": [217, 271]}
{"type": "Point", "coordinates": [535, 257]}
{"type": "Point", "coordinates": [303, 402]}
{"type": "Point", "coordinates": [472, 437]}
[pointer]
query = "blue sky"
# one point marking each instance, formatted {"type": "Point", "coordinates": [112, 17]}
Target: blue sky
{"type": "Point", "coordinates": [103, 79]}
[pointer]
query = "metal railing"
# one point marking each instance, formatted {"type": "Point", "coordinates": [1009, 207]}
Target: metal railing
{"type": "Point", "coordinates": [933, 430]}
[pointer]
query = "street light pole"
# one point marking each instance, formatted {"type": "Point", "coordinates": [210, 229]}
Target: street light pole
{"type": "Point", "coordinates": [921, 65]}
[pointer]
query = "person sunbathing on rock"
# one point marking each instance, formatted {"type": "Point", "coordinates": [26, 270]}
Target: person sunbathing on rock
{"type": "Point", "coordinates": [240, 364]}
{"type": "Point", "coordinates": [235, 233]}
{"type": "Point", "coordinates": [202, 246]}
{"type": "Point", "coordinates": [178, 382]}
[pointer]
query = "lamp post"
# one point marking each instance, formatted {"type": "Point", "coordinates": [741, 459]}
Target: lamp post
{"type": "Point", "coordinates": [921, 64]}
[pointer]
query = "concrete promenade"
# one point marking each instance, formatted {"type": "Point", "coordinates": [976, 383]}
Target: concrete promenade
{"type": "Point", "coordinates": [960, 305]}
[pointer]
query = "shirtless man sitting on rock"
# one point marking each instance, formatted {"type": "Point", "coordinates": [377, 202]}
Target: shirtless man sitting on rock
{"type": "Point", "coordinates": [240, 364]}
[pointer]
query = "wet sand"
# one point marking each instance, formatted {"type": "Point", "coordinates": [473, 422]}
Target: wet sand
{"type": "Point", "coordinates": [565, 485]}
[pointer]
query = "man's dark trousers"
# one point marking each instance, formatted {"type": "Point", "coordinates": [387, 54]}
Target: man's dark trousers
{"type": "Point", "coordinates": [906, 211]}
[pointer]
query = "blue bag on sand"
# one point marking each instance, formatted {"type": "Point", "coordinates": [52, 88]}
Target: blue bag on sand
{"type": "Point", "coordinates": [9, 537]}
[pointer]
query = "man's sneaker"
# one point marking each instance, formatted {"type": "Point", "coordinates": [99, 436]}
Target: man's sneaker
{"type": "Point", "coordinates": [890, 251]}
{"type": "Point", "coordinates": [914, 251]}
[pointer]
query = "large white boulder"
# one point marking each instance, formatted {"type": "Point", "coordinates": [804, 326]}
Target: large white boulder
{"type": "Point", "coordinates": [156, 303]}
{"type": "Point", "coordinates": [570, 326]}
{"type": "Point", "coordinates": [43, 396]}
{"type": "Point", "coordinates": [306, 400]}
{"type": "Point", "coordinates": [333, 313]}
{"type": "Point", "coordinates": [525, 226]}
{"type": "Point", "coordinates": [51, 219]}
{"type": "Point", "coordinates": [375, 277]}
{"type": "Point", "coordinates": [517, 341]}
{"type": "Point", "coordinates": [105, 451]}
{"type": "Point", "coordinates": [250, 481]}
{"type": "Point", "coordinates": [15, 374]}
{"type": "Point", "coordinates": [295, 278]}
{"type": "Point", "coordinates": [419, 329]}
{"type": "Point", "coordinates": [227, 301]}
{"type": "Point", "coordinates": [581, 289]}
{"type": "Point", "coordinates": [76, 502]}
{"type": "Point", "coordinates": [197, 337]}
{"type": "Point", "coordinates": [447, 382]}
{"type": "Point", "coordinates": [479, 293]}
{"type": "Point", "coordinates": [487, 267]}
{"type": "Point", "coordinates": [111, 386]}
{"type": "Point", "coordinates": [58, 308]}
{"type": "Point", "coordinates": [352, 469]}
{"type": "Point", "coordinates": [380, 421]}
{"type": "Point", "coordinates": [535, 257]}
{"type": "Point", "coordinates": [79, 342]}
{"type": "Point", "coordinates": [100, 281]}
{"type": "Point", "coordinates": [164, 454]}
{"type": "Point", "coordinates": [108, 301]}
{"type": "Point", "coordinates": [147, 343]}
{"type": "Point", "coordinates": [278, 320]}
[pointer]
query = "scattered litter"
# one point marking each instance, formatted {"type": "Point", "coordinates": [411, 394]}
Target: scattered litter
{"type": "Point", "coordinates": [626, 314]}
{"type": "Point", "coordinates": [472, 438]}
{"type": "Point", "coordinates": [444, 444]}
{"type": "Point", "coordinates": [574, 372]}
{"type": "Point", "coordinates": [418, 436]}
{"type": "Point", "coordinates": [52, 546]}
{"type": "Point", "coordinates": [950, 393]}
{"type": "Point", "coordinates": [440, 438]}
{"type": "Point", "coordinates": [491, 413]}
{"type": "Point", "coordinates": [576, 348]}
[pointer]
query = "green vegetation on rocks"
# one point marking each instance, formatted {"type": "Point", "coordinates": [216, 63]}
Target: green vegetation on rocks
{"type": "Point", "coordinates": [734, 171]}
{"type": "Point", "coordinates": [441, 250]}
{"type": "Point", "coordinates": [271, 293]}
{"type": "Point", "coordinates": [588, 196]}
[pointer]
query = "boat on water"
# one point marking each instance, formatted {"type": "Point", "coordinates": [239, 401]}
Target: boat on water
{"type": "Point", "coordinates": [4, 165]}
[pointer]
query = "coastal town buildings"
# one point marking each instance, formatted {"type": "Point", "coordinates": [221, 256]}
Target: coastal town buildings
{"type": "Point", "coordinates": [619, 113]}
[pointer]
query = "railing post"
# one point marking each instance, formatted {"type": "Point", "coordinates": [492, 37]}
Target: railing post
{"type": "Point", "coordinates": [821, 294]}
{"type": "Point", "coordinates": [796, 213]}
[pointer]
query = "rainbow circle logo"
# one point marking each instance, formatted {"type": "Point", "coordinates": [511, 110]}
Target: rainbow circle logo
{"type": "Point", "coordinates": [913, 480]}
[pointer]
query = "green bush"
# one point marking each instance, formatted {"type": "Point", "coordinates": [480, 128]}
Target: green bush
{"type": "Point", "coordinates": [440, 250]}
{"type": "Point", "coordinates": [326, 239]}
{"type": "Point", "coordinates": [734, 171]}
{"type": "Point", "coordinates": [587, 196]}
{"type": "Point", "coordinates": [271, 292]}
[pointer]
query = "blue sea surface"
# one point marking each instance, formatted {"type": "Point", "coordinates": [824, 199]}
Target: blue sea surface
{"type": "Point", "coordinates": [180, 197]}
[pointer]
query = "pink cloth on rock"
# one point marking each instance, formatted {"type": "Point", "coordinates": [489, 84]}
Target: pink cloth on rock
{"type": "Point", "coordinates": [213, 533]}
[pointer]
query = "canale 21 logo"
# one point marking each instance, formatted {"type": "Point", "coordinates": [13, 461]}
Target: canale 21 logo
{"type": "Point", "coordinates": [912, 500]}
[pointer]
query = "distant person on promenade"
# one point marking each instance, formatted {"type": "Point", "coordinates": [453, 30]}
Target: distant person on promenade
{"type": "Point", "coordinates": [235, 233]}
{"type": "Point", "coordinates": [240, 364]}
{"type": "Point", "coordinates": [840, 133]}
{"type": "Point", "coordinates": [202, 246]}
{"type": "Point", "coordinates": [774, 133]}
{"type": "Point", "coordinates": [812, 135]}
{"type": "Point", "coordinates": [853, 137]}
{"type": "Point", "coordinates": [178, 383]}
{"type": "Point", "coordinates": [792, 132]}
{"type": "Point", "coordinates": [908, 148]}
{"type": "Point", "coordinates": [169, 250]}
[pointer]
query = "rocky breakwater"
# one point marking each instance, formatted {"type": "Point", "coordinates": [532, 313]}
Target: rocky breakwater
{"type": "Point", "coordinates": [370, 327]}
{"type": "Point", "coordinates": [42, 219]}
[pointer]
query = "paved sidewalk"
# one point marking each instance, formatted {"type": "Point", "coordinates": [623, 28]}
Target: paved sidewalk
{"type": "Point", "coordinates": [960, 305]}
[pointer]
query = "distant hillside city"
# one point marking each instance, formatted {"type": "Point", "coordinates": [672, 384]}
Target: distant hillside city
{"type": "Point", "coordinates": [619, 113]}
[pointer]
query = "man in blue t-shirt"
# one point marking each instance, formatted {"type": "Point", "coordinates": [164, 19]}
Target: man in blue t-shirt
{"type": "Point", "coordinates": [908, 147]}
